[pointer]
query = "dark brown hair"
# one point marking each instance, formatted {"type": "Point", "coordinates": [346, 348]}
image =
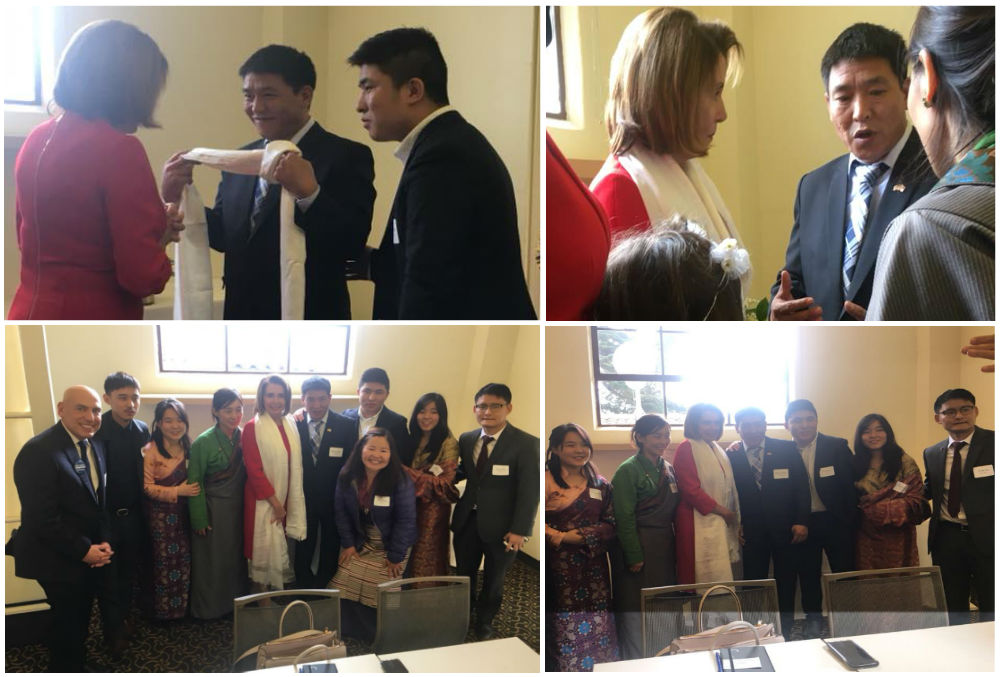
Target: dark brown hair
{"type": "Point", "coordinates": [554, 464]}
{"type": "Point", "coordinates": [262, 387]}
{"type": "Point", "coordinates": [157, 436]}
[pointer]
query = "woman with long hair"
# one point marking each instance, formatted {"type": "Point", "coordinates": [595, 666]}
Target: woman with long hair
{"type": "Point", "coordinates": [218, 568]}
{"type": "Point", "coordinates": [435, 463]}
{"type": "Point", "coordinates": [892, 498]}
{"type": "Point", "coordinates": [168, 581]}
{"type": "Point", "coordinates": [579, 527]}
{"type": "Point", "coordinates": [645, 498]}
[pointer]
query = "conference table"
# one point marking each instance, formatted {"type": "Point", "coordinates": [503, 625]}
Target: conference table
{"type": "Point", "coordinates": [957, 648]}
{"type": "Point", "coordinates": [509, 654]}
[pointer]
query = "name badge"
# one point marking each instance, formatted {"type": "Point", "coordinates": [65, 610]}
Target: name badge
{"type": "Point", "coordinates": [382, 501]}
{"type": "Point", "coordinates": [436, 470]}
{"type": "Point", "coordinates": [900, 487]}
{"type": "Point", "coordinates": [673, 487]}
{"type": "Point", "coordinates": [781, 473]}
{"type": "Point", "coordinates": [395, 232]}
{"type": "Point", "coordinates": [982, 471]}
{"type": "Point", "coordinates": [596, 494]}
{"type": "Point", "coordinates": [80, 467]}
{"type": "Point", "coordinates": [336, 452]}
{"type": "Point", "coordinates": [501, 470]}
{"type": "Point", "coordinates": [827, 471]}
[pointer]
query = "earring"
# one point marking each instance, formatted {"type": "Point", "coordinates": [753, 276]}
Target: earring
{"type": "Point", "coordinates": [928, 104]}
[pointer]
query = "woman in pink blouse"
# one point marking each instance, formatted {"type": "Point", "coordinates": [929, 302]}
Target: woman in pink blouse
{"type": "Point", "coordinates": [168, 581]}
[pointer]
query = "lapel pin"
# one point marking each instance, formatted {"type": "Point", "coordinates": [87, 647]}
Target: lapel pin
{"type": "Point", "coordinates": [898, 188]}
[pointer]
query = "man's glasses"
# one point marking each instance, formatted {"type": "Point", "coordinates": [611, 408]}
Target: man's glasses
{"type": "Point", "coordinates": [492, 406]}
{"type": "Point", "coordinates": [951, 413]}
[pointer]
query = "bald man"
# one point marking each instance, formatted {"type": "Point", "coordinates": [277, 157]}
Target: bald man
{"type": "Point", "coordinates": [63, 538]}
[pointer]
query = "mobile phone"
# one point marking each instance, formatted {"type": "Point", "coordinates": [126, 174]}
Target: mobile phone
{"type": "Point", "coordinates": [850, 654]}
{"type": "Point", "coordinates": [393, 665]}
{"type": "Point", "coordinates": [318, 667]}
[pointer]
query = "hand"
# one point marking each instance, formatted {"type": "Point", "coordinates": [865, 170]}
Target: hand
{"type": "Point", "coordinates": [727, 515]}
{"type": "Point", "coordinates": [296, 175]}
{"type": "Point", "coordinates": [513, 541]}
{"type": "Point", "coordinates": [177, 173]}
{"type": "Point", "coordinates": [203, 532]}
{"type": "Point", "coordinates": [799, 533]}
{"type": "Point", "coordinates": [554, 536]}
{"type": "Point", "coordinates": [395, 569]}
{"type": "Point", "coordinates": [188, 489]}
{"type": "Point", "coordinates": [175, 224]}
{"type": "Point", "coordinates": [299, 415]}
{"type": "Point", "coordinates": [346, 555]}
{"type": "Point", "coordinates": [279, 510]}
{"type": "Point", "coordinates": [982, 346]}
{"type": "Point", "coordinates": [98, 555]}
{"type": "Point", "coordinates": [636, 568]}
{"type": "Point", "coordinates": [855, 311]}
{"type": "Point", "coordinates": [786, 307]}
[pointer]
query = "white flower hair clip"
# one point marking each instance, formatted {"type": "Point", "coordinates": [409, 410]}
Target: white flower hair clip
{"type": "Point", "coordinates": [734, 260]}
{"type": "Point", "coordinates": [694, 227]}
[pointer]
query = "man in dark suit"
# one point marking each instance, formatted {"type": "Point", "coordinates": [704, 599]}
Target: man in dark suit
{"type": "Point", "coordinates": [63, 538]}
{"type": "Point", "coordinates": [495, 515]}
{"type": "Point", "coordinates": [842, 209]}
{"type": "Point", "coordinates": [833, 504]}
{"type": "Point", "coordinates": [774, 506]}
{"type": "Point", "coordinates": [452, 238]}
{"type": "Point", "coordinates": [959, 483]}
{"type": "Point", "coordinates": [123, 436]}
{"type": "Point", "coordinates": [373, 390]}
{"type": "Point", "coordinates": [327, 440]}
{"type": "Point", "coordinates": [332, 182]}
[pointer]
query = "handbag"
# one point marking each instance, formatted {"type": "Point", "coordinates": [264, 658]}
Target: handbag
{"type": "Point", "coordinates": [736, 633]}
{"type": "Point", "coordinates": [286, 648]}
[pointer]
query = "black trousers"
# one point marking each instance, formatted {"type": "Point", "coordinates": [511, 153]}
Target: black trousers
{"type": "Point", "coordinates": [827, 533]}
{"type": "Point", "coordinates": [761, 547]}
{"type": "Point", "coordinates": [470, 550]}
{"type": "Point", "coordinates": [70, 604]}
{"type": "Point", "coordinates": [963, 568]}
{"type": "Point", "coordinates": [128, 533]}
{"type": "Point", "coordinates": [321, 530]}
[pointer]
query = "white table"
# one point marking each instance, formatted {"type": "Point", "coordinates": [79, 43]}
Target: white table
{"type": "Point", "coordinates": [509, 654]}
{"type": "Point", "coordinates": [959, 648]}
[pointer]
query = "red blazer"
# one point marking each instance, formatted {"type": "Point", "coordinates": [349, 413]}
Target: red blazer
{"type": "Point", "coordinates": [622, 202]}
{"type": "Point", "coordinates": [692, 498]}
{"type": "Point", "coordinates": [89, 222]}
{"type": "Point", "coordinates": [577, 241]}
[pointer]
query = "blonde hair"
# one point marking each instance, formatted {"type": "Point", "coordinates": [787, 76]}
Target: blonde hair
{"type": "Point", "coordinates": [664, 58]}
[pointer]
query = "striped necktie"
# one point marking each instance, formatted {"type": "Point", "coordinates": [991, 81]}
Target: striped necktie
{"type": "Point", "coordinates": [755, 456]}
{"type": "Point", "coordinates": [865, 177]}
{"type": "Point", "coordinates": [316, 434]}
{"type": "Point", "coordinates": [259, 195]}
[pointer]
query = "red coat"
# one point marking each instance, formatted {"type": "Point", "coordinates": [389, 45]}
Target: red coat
{"type": "Point", "coordinates": [692, 498]}
{"type": "Point", "coordinates": [622, 202]}
{"type": "Point", "coordinates": [89, 221]}
{"type": "Point", "coordinates": [258, 486]}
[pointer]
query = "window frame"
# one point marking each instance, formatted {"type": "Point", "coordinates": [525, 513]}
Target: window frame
{"type": "Point", "coordinates": [560, 64]}
{"type": "Point", "coordinates": [36, 26]}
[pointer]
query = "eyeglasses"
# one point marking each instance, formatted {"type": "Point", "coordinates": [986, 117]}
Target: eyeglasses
{"type": "Point", "coordinates": [951, 413]}
{"type": "Point", "coordinates": [492, 406]}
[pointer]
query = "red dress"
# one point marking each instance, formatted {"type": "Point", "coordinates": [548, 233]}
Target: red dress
{"type": "Point", "coordinates": [89, 221]}
{"type": "Point", "coordinates": [258, 486]}
{"type": "Point", "coordinates": [692, 498]}
{"type": "Point", "coordinates": [622, 202]}
{"type": "Point", "coordinates": [577, 241]}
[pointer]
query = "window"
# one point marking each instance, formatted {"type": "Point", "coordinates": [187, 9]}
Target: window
{"type": "Point", "coordinates": [662, 371]}
{"type": "Point", "coordinates": [553, 79]}
{"type": "Point", "coordinates": [22, 55]}
{"type": "Point", "coordinates": [261, 348]}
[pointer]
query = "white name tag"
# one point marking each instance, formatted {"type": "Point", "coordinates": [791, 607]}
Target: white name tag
{"type": "Point", "coordinates": [336, 452]}
{"type": "Point", "coordinates": [596, 494]}
{"type": "Point", "coordinates": [900, 488]}
{"type": "Point", "coordinates": [781, 473]}
{"type": "Point", "coordinates": [382, 501]}
{"type": "Point", "coordinates": [673, 487]}
{"type": "Point", "coordinates": [746, 663]}
{"type": "Point", "coordinates": [436, 470]}
{"type": "Point", "coordinates": [982, 471]}
{"type": "Point", "coordinates": [501, 470]}
{"type": "Point", "coordinates": [826, 472]}
{"type": "Point", "coordinates": [395, 232]}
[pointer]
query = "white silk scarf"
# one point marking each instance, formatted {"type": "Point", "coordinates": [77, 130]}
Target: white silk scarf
{"type": "Point", "coordinates": [716, 543]}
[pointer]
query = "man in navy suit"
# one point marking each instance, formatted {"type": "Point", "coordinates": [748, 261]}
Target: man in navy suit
{"type": "Point", "coordinates": [63, 538]}
{"type": "Point", "coordinates": [833, 503]}
{"type": "Point", "coordinates": [452, 239]}
{"type": "Point", "coordinates": [327, 440]}
{"type": "Point", "coordinates": [830, 260]}
{"type": "Point", "coordinates": [332, 182]}
{"type": "Point", "coordinates": [960, 485]}
{"type": "Point", "coordinates": [373, 390]}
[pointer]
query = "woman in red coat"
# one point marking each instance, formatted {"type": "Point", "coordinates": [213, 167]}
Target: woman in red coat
{"type": "Point", "coordinates": [90, 223]}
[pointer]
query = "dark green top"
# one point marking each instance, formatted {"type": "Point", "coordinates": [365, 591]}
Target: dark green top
{"type": "Point", "coordinates": [210, 453]}
{"type": "Point", "coordinates": [635, 480]}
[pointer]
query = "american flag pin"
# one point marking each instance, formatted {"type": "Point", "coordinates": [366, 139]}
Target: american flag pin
{"type": "Point", "coordinates": [898, 188]}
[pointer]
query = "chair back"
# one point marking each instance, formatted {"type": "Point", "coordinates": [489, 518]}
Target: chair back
{"type": "Point", "coordinates": [256, 617]}
{"type": "Point", "coordinates": [671, 611]}
{"type": "Point", "coordinates": [421, 613]}
{"type": "Point", "coordinates": [884, 600]}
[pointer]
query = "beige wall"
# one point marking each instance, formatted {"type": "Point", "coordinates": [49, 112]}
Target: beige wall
{"type": "Point", "coordinates": [492, 81]}
{"type": "Point", "coordinates": [777, 129]}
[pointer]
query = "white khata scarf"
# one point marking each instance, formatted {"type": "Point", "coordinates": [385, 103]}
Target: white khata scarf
{"type": "Point", "coordinates": [193, 272]}
{"type": "Point", "coordinates": [716, 544]}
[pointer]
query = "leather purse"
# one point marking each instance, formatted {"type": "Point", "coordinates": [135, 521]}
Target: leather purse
{"type": "Point", "coordinates": [286, 648]}
{"type": "Point", "coordinates": [737, 633]}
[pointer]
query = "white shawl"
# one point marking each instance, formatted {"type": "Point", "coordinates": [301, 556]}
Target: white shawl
{"type": "Point", "coordinates": [193, 273]}
{"type": "Point", "coordinates": [270, 564]}
{"type": "Point", "coordinates": [716, 544]}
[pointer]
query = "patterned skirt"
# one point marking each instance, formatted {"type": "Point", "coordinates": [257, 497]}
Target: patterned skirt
{"type": "Point", "coordinates": [168, 583]}
{"type": "Point", "coordinates": [358, 579]}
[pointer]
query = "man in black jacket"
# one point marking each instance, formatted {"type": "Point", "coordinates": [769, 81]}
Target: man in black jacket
{"type": "Point", "coordinates": [373, 391]}
{"type": "Point", "coordinates": [774, 506]}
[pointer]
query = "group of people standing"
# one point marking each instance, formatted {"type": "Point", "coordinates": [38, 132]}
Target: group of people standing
{"type": "Point", "coordinates": [763, 508]}
{"type": "Point", "coordinates": [306, 499]}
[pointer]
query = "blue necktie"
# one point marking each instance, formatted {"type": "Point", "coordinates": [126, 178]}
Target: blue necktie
{"type": "Point", "coordinates": [259, 195]}
{"type": "Point", "coordinates": [865, 177]}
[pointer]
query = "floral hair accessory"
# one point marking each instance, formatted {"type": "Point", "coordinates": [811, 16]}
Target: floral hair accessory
{"type": "Point", "coordinates": [734, 260]}
{"type": "Point", "coordinates": [696, 228]}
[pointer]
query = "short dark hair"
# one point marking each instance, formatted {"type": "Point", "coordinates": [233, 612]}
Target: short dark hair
{"type": "Point", "coordinates": [693, 418]}
{"type": "Point", "coordinates": [646, 424]}
{"type": "Point", "coordinates": [866, 41]}
{"type": "Point", "coordinates": [316, 383]}
{"type": "Point", "coordinates": [374, 375]}
{"type": "Point", "coordinates": [262, 388]}
{"type": "Point", "coordinates": [496, 390]}
{"type": "Point", "coordinates": [118, 380]}
{"type": "Point", "coordinates": [111, 71]}
{"type": "Point", "coordinates": [405, 53]}
{"type": "Point", "coordinates": [748, 412]}
{"type": "Point", "coordinates": [157, 435]}
{"type": "Point", "coordinates": [799, 405]}
{"type": "Point", "coordinates": [953, 394]}
{"type": "Point", "coordinates": [294, 67]}
{"type": "Point", "coordinates": [223, 397]}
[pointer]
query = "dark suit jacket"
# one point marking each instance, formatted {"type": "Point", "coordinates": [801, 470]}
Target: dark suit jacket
{"type": "Point", "coordinates": [815, 255]}
{"type": "Point", "coordinates": [780, 502]}
{"type": "Point", "coordinates": [459, 252]}
{"type": "Point", "coordinates": [319, 481]}
{"type": "Point", "coordinates": [506, 502]}
{"type": "Point", "coordinates": [61, 516]}
{"type": "Point", "coordinates": [836, 491]}
{"type": "Point", "coordinates": [977, 493]}
{"type": "Point", "coordinates": [336, 226]}
{"type": "Point", "coordinates": [123, 455]}
{"type": "Point", "coordinates": [396, 522]}
{"type": "Point", "coordinates": [395, 424]}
